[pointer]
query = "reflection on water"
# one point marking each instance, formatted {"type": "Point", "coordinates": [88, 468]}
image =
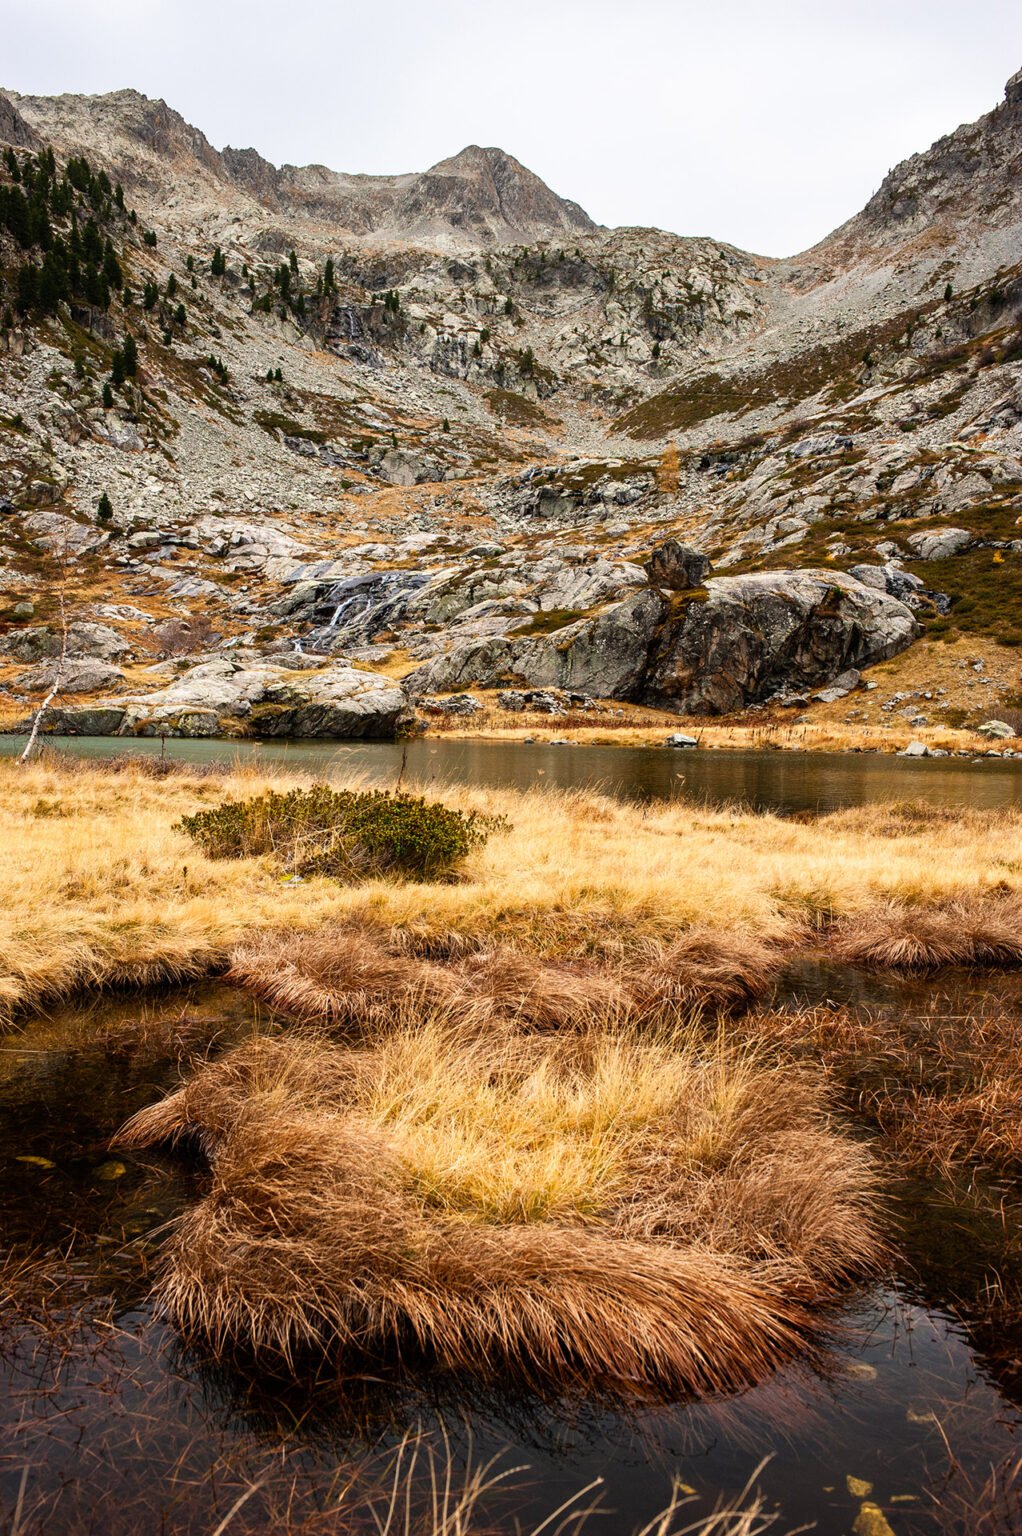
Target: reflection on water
{"type": "Point", "coordinates": [786, 782]}
{"type": "Point", "coordinates": [122, 1430]}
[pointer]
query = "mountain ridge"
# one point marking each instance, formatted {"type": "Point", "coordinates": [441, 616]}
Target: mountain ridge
{"type": "Point", "coordinates": [484, 431]}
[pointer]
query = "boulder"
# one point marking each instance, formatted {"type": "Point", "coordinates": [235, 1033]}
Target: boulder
{"type": "Point", "coordinates": [677, 567]}
{"type": "Point", "coordinates": [82, 720]}
{"type": "Point", "coordinates": [747, 637]}
{"type": "Point", "coordinates": [543, 701]}
{"type": "Point", "coordinates": [996, 730]}
{"type": "Point", "coordinates": [87, 675]}
{"type": "Point", "coordinates": [679, 739]}
{"type": "Point", "coordinates": [915, 749]}
{"type": "Point", "coordinates": [340, 704]}
{"type": "Point", "coordinates": [940, 543]}
{"type": "Point", "coordinates": [888, 578]}
{"type": "Point", "coordinates": [840, 688]}
{"type": "Point", "coordinates": [220, 696]}
{"type": "Point", "coordinates": [457, 704]}
{"type": "Point", "coordinates": [400, 466]}
{"type": "Point", "coordinates": [41, 643]}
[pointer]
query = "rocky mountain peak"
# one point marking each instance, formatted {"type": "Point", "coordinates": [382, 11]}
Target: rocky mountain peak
{"type": "Point", "coordinates": [971, 173]}
{"type": "Point", "coordinates": [13, 127]}
{"type": "Point", "coordinates": [491, 191]}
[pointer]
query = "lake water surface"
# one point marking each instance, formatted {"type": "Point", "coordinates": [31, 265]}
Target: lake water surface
{"type": "Point", "coordinates": [787, 782]}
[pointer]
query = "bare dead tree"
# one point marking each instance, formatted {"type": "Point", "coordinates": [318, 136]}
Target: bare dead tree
{"type": "Point", "coordinates": [58, 676]}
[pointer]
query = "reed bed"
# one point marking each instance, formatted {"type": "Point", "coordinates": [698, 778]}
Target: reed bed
{"type": "Point", "coordinates": [637, 1212]}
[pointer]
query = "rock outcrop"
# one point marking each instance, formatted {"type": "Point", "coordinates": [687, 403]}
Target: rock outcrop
{"type": "Point", "coordinates": [748, 637]}
{"type": "Point", "coordinates": [221, 697]}
{"type": "Point", "coordinates": [677, 567]}
{"type": "Point", "coordinates": [712, 650]}
{"type": "Point", "coordinates": [604, 655]}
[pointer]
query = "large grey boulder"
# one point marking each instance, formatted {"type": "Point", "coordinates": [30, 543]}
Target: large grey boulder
{"type": "Point", "coordinates": [81, 720]}
{"type": "Point", "coordinates": [220, 697]}
{"type": "Point", "coordinates": [85, 675]}
{"type": "Point", "coordinates": [677, 567]}
{"type": "Point", "coordinates": [604, 655]}
{"type": "Point", "coordinates": [42, 642]}
{"type": "Point", "coordinates": [340, 704]}
{"type": "Point", "coordinates": [747, 637]}
{"type": "Point", "coordinates": [940, 543]}
{"type": "Point", "coordinates": [401, 466]}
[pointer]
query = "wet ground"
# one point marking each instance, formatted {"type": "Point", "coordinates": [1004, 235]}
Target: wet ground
{"type": "Point", "coordinates": [107, 1424]}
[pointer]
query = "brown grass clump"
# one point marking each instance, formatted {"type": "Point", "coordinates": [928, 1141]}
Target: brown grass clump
{"type": "Point", "coordinates": [597, 1207]}
{"type": "Point", "coordinates": [351, 975]}
{"type": "Point", "coordinates": [341, 974]}
{"type": "Point", "coordinates": [980, 929]}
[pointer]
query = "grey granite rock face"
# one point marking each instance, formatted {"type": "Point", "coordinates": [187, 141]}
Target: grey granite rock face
{"type": "Point", "coordinates": [776, 631]}
{"type": "Point", "coordinates": [677, 567]}
{"type": "Point", "coordinates": [219, 697]}
{"type": "Point", "coordinates": [604, 655]}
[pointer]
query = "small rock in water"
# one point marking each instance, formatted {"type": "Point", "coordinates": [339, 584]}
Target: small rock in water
{"type": "Point", "coordinates": [679, 739]}
{"type": "Point", "coordinates": [871, 1521]}
{"type": "Point", "coordinates": [915, 749]}
{"type": "Point", "coordinates": [858, 1487]}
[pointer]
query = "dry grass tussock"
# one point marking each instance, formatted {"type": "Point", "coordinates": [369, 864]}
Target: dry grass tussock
{"type": "Point", "coordinates": [980, 930]}
{"type": "Point", "coordinates": [101, 890]}
{"type": "Point", "coordinates": [638, 1211]}
{"type": "Point", "coordinates": [350, 975]}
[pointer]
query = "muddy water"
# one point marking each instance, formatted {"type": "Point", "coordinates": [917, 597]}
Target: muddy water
{"type": "Point", "coordinates": [108, 1425]}
{"type": "Point", "coordinates": [786, 782]}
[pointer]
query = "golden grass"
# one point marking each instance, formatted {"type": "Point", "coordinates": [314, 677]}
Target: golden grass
{"type": "Point", "coordinates": [627, 725]}
{"type": "Point", "coordinates": [640, 1212]}
{"type": "Point", "coordinates": [100, 890]}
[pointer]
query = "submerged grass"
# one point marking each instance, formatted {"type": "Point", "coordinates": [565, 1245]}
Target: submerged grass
{"type": "Point", "coordinates": [638, 1212]}
{"type": "Point", "coordinates": [944, 1087]}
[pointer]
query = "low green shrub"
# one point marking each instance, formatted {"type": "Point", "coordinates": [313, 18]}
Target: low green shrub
{"type": "Point", "coordinates": [348, 834]}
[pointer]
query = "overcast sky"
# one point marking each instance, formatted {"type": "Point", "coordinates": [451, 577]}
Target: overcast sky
{"type": "Point", "coordinates": [762, 122]}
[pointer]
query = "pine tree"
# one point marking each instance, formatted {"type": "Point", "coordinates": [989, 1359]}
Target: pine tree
{"type": "Point", "coordinates": [108, 397]}
{"type": "Point", "coordinates": [117, 374]}
{"type": "Point", "coordinates": [129, 356]}
{"type": "Point", "coordinates": [104, 509]}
